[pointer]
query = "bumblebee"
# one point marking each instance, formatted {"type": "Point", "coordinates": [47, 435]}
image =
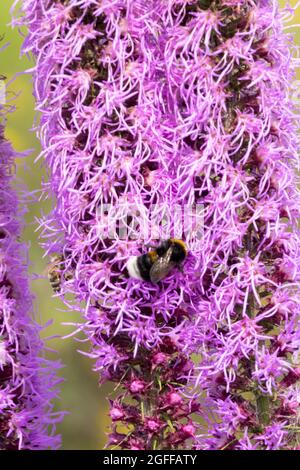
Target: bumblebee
{"type": "Point", "coordinates": [55, 272]}
{"type": "Point", "coordinates": [157, 263]}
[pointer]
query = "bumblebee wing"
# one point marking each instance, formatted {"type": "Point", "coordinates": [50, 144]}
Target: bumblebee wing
{"type": "Point", "coordinates": [161, 267]}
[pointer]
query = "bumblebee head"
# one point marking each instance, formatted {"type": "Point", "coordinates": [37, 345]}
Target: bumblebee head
{"type": "Point", "coordinates": [179, 251]}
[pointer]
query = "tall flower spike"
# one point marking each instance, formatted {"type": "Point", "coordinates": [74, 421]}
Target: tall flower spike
{"type": "Point", "coordinates": [181, 102]}
{"type": "Point", "coordinates": [247, 141]}
{"type": "Point", "coordinates": [27, 380]}
{"type": "Point", "coordinates": [108, 140]}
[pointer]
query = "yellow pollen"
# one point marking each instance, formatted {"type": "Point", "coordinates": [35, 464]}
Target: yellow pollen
{"type": "Point", "coordinates": [179, 242]}
{"type": "Point", "coordinates": [153, 256]}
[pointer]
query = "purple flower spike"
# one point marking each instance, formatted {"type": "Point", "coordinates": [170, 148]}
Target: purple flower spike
{"type": "Point", "coordinates": [27, 380]}
{"type": "Point", "coordinates": [151, 106]}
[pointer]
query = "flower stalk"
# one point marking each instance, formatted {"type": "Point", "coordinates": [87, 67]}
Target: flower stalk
{"type": "Point", "coordinates": [253, 334]}
{"type": "Point", "coordinates": [28, 381]}
{"type": "Point", "coordinates": [183, 103]}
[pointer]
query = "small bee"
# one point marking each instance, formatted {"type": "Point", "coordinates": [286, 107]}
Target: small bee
{"type": "Point", "coordinates": [55, 272]}
{"type": "Point", "coordinates": [156, 264]}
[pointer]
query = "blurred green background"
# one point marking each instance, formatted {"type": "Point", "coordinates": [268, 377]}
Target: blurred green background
{"type": "Point", "coordinates": [85, 426]}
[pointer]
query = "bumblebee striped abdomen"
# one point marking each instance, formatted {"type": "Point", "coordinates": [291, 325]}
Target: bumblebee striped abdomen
{"type": "Point", "coordinates": [145, 263]}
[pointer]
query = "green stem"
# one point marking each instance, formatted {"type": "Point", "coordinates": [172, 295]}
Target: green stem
{"type": "Point", "coordinates": [148, 406]}
{"type": "Point", "coordinates": [263, 409]}
{"type": "Point", "coordinates": [262, 401]}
